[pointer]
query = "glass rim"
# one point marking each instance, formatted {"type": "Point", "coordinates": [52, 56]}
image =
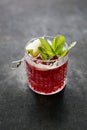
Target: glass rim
{"type": "Point", "coordinates": [41, 60]}
{"type": "Point", "coordinates": [49, 60]}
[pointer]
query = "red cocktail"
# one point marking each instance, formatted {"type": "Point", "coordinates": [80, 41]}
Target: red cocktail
{"type": "Point", "coordinates": [46, 77]}
{"type": "Point", "coordinates": [46, 60]}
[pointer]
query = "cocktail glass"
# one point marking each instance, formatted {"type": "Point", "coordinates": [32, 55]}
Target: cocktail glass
{"type": "Point", "coordinates": [46, 77]}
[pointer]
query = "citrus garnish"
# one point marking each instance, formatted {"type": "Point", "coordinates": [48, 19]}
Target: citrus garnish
{"type": "Point", "coordinates": [32, 48]}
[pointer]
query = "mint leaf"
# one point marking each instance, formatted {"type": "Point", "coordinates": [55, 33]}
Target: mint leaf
{"type": "Point", "coordinates": [58, 44]}
{"type": "Point", "coordinates": [45, 57]}
{"type": "Point", "coordinates": [42, 50]}
{"type": "Point", "coordinates": [64, 52]}
{"type": "Point", "coordinates": [44, 54]}
{"type": "Point", "coordinates": [54, 42]}
{"type": "Point", "coordinates": [46, 45]}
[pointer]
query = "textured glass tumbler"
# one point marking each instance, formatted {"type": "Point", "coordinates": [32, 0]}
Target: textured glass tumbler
{"type": "Point", "coordinates": [46, 76]}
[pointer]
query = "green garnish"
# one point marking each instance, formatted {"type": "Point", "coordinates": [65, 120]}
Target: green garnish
{"type": "Point", "coordinates": [47, 47]}
{"type": "Point", "coordinates": [55, 48]}
{"type": "Point", "coordinates": [58, 44]}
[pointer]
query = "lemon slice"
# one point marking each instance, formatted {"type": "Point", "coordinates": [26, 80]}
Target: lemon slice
{"type": "Point", "coordinates": [32, 48]}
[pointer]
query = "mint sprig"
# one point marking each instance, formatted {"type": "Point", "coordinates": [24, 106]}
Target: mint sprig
{"type": "Point", "coordinates": [47, 47]}
{"type": "Point", "coordinates": [55, 48]}
{"type": "Point", "coordinates": [58, 44]}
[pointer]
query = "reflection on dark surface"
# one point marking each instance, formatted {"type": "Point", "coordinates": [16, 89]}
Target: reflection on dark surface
{"type": "Point", "coordinates": [51, 104]}
{"type": "Point", "coordinates": [50, 107]}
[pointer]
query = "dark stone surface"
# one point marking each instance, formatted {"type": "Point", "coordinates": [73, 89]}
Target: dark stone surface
{"type": "Point", "coordinates": [20, 108]}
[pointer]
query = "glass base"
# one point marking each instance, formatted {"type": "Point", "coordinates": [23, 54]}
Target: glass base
{"type": "Point", "coordinates": [42, 93]}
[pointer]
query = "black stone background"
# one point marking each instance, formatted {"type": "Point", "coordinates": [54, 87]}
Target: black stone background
{"type": "Point", "coordinates": [20, 108]}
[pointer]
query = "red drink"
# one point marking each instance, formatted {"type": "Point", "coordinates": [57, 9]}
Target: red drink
{"type": "Point", "coordinates": [46, 60]}
{"type": "Point", "coordinates": [46, 77]}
